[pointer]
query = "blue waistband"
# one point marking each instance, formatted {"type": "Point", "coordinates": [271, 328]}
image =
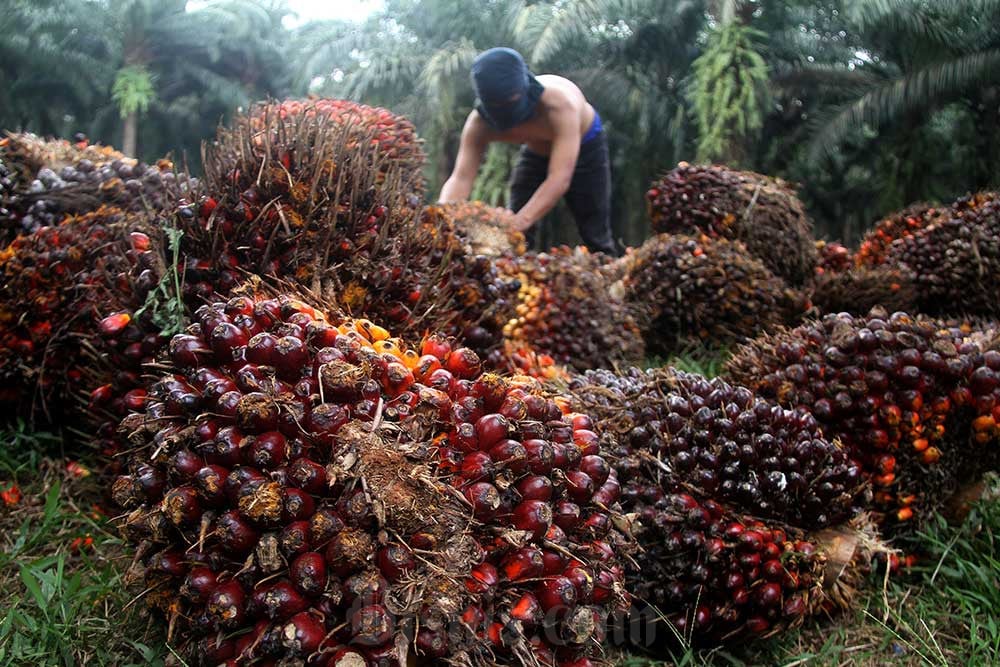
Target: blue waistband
{"type": "Point", "coordinates": [595, 128]}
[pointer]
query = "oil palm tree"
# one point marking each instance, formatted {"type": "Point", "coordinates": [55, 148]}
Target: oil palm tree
{"type": "Point", "coordinates": [185, 69]}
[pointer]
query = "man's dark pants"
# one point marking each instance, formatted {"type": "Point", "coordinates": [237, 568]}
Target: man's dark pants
{"type": "Point", "coordinates": [588, 197]}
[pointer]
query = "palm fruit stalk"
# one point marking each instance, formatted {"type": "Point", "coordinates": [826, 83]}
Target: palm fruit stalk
{"type": "Point", "coordinates": [565, 310]}
{"type": "Point", "coordinates": [874, 247]}
{"type": "Point", "coordinates": [902, 394]}
{"type": "Point", "coordinates": [683, 289]}
{"type": "Point", "coordinates": [328, 200]}
{"type": "Point", "coordinates": [486, 229]}
{"type": "Point", "coordinates": [69, 321]}
{"type": "Point", "coordinates": [57, 178]}
{"type": "Point", "coordinates": [715, 479]}
{"type": "Point", "coordinates": [956, 260]}
{"type": "Point", "coordinates": [302, 489]}
{"type": "Point", "coordinates": [762, 212]}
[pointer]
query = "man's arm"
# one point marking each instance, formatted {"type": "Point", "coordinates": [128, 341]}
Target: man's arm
{"type": "Point", "coordinates": [562, 162]}
{"type": "Point", "coordinates": [470, 154]}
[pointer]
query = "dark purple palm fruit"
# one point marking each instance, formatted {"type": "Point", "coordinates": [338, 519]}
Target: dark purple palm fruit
{"type": "Point", "coordinates": [902, 394]}
{"type": "Point", "coordinates": [354, 498]}
{"type": "Point", "coordinates": [762, 212]}
{"type": "Point", "coordinates": [724, 441]}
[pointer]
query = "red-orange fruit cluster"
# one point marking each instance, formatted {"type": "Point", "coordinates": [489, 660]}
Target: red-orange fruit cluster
{"type": "Point", "coordinates": [306, 490]}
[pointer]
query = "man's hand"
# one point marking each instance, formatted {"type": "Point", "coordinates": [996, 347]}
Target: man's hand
{"type": "Point", "coordinates": [470, 154]}
{"type": "Point", "coordinates": [521, 223]}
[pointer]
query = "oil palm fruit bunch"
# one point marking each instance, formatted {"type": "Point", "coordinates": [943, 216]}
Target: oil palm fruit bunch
{"type": "Point", "coordinates": [901, 224]}
{"type": "Point", "coordinates": [720, 575]}
{"type": "Point", "coordinates": [956, 260]}
{"type": "Point", "coordinates": [715, 479]}
{"type": "Point", "coordinates": [683, 289]}
{"type": "Point", "coordinates": [901, 393]}
{"type": "Point", "coordinates": [59, 178]}
{"type": "Point", "coordinates": [858, 289]}
{"type": "Point", "coordinates": [566, 311]}
{"type": "Point", "coordinates": [313, 197]}
{"type": "Point", "coordinates": [68, 302]}
{"type": "Point", "coordinates": [721, 439]}
{"type": "Point", "coordinates": [486, 229]}
{"type": "Point", "coordinates": [303, 489]}
{"type": "Point", "coordinates": [762, 212]}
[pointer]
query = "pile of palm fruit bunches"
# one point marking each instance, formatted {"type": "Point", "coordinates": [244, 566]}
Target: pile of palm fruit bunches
{"type": "Point", "coordinates": [347, 429]}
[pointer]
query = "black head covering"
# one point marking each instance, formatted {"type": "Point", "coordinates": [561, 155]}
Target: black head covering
{"type": "Point", "coordinates": [507, 92]}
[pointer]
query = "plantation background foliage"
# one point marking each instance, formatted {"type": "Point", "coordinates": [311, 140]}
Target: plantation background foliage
{"type": "Point", "coordinates": [867, 104]}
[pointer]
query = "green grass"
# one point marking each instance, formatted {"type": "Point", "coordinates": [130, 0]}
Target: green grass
{"type": "Point", "coordinates": [65, 606]}
{"type": "Point", "coordinates": [704, 361]}
{"type": "Point", "coordinates": [61, 603]}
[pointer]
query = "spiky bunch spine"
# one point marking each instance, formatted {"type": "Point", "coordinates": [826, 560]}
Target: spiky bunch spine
{"type": "Point", "coordinates": [301, 490]}
{"type": "Point", "coordinates": [397, 153]}
{"type": "Point", "coordinates": [901, 224]}
{"type": "Point", "coordinates": [899, 392]}
{"type": "Point", "coordinates": [714, 478]}
{"type": "Point", "coordinates": [67, 301]}
{"type": "Point", "coordinates": [486, 229]}
{"type": "Point", "coordinates": [683, 289]}
{"type": "Point", "coordinates": [56, 179]}
{"type": "Point", "coordinates": [956, 260]}
{"type": "Point", "coordinates": [566, 310]}
{"type": "Point", "coordinates": [315, 197]}
{"type": "Point", "coordinates": [762, 212]}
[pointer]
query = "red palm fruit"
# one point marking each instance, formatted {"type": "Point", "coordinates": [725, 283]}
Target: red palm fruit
{"type": "Point", "coordinates": [557, 593]}
{"type": "Point", "coordinates": [596, 467]}
{"type": "Point", "coordinates": [534, 516]}
{"type": "Point", "coordinates": [510, 454]}
{"type": "Point", "coordinates": [525, 563]}
{"type": "Point", "coordinates": [535, 487]}
{"type": "Point", "coordinates": [527, 610]}
{"type": "Point", "coordinates": [371, 626]}
{"type": "Point", "coordinates": [302, 634]}
{"type": "Point", "coordinates": [483, 580]}
{"type": "Point", "coordinates": [226, 604]}
{"type": "Point", "coordinates": [277, 601]}
{"type": "Point", "coordinates": [484, 498]}
{"type": "Point", "coordinates": [308, 573]}
{"type": "Point", "coordinates": [394, 561]}
{"type": "Point", "coordinates": [431, 643]}
{"type": "Point", "coordinates": [210, 482]}
{"type": "Point", "coordinates": [236, 534]}
{"type": "Point", "coordinates": [579, 485]}
{"type": "Point", "coordinates": [181, 505]}
{"type": "Point", "coordinates": [198, 584]}
{"type": "Point", "coordinates": [566, 515]}
{"type": "Point", "coordinates": [491, 429]}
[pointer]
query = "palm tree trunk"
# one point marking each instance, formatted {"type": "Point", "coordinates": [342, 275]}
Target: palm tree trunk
{"type": "Point", "coordinates": [130, 133]}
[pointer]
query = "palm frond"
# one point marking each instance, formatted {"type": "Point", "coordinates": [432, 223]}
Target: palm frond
{"type": "Point", "coordinates": [921, 89]}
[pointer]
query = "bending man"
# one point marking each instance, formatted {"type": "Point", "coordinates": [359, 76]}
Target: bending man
{"type": "Point", "coordinates": [564, 150]}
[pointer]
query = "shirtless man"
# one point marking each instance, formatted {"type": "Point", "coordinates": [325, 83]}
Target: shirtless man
{"type": "Point", "coordinates": [564, 149]}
